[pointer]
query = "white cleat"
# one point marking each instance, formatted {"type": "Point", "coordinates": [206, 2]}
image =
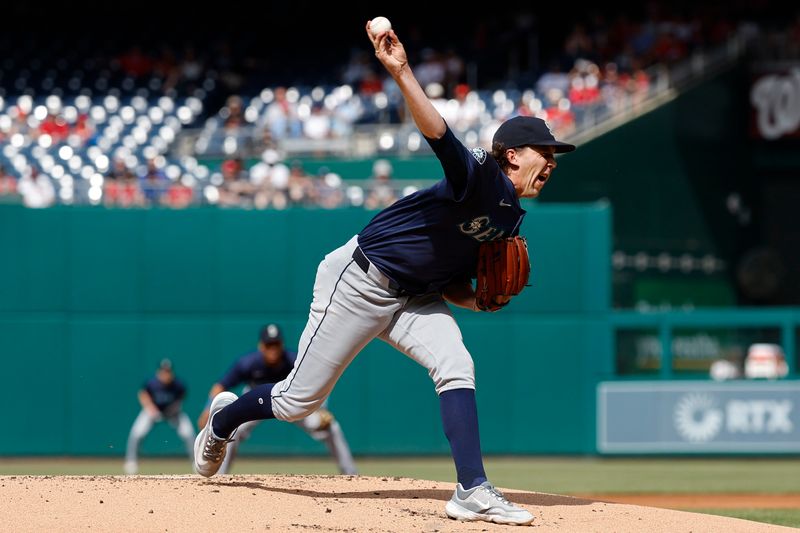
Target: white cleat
{"type": "Point", "coordinates": [209, 450]}
{"type": "Point", "coordinates": [485, 502]}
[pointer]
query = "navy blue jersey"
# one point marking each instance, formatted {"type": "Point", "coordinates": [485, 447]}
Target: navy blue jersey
{"type": "Point", "coordinates": [166, 397]}
{"type": "Point", "coordinates": [430, 238]}
{"type": "Point", "coordinates": [253, 370]}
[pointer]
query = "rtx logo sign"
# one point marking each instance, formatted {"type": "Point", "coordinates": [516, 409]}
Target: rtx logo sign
{"type": "Point", "coordinates": [759, 416]}
{"type": "Point", "coordinates": [699, 417]}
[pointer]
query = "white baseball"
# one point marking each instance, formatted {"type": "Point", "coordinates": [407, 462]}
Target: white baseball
{"type": "Point", "coordinates": [379, 25]}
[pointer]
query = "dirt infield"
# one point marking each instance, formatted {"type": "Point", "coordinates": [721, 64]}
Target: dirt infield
{"type": "Point", "coordinates": [304, 503]}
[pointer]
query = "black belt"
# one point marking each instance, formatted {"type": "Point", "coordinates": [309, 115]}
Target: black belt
{"type": "Point", "coordinates": [364, 264]}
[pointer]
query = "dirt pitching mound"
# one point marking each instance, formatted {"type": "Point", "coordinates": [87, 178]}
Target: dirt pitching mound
{"type": "Point", "coordinates": [304, 503]}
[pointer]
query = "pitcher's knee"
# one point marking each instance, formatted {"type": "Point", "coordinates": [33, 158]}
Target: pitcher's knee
{"type": "Point", "coordinates": [454, 373]}
{"type": "Point", "coordinates": [290, 409]}
{"type": "Point", "coordinates": [460, 382]}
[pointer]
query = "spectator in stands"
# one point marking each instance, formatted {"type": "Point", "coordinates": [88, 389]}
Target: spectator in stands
{"type": "Point", "coordinates": [36, 189]}
{"type": "Point", "coordinates": [121, 188]}
{"type": "Point", "coordinates": [260, 172]}
{"type": "Point", "coordinates": [178, 196]}
{"type": "Point", "coordinates": [584, 90]}
{"type": "Point", "coordinates": [370, 83]}
{"type": "Point", "coordinates": [469, 108]}
{"type": "Point", "coordinates": [318, 124]}
{"type": "Point", "coordinates": [431, 69]}
{"type": "Point", "coordinates": [435, 92]}
{"type": "Point", "coordinates": [55, 126]}
{"type": "Point", "coordinates": [236, 190]}
{"type": "Point", "coordinates": [154, 184]}
{"type": "Point", "coordinates": [266, 141]}
{"type": "Point", "coordinates": [279, 186]}
{"type": "Point", "coordinates": [554, 78]}
{"type": "Point", "coordinates": [261, 178]}
{"type": "Point", "coordinates": [301, 188]}
{"type": "Point", "coordinates": [453, 70]}
{"type": "Point", "coordinates": [233, 114]}
{"type": "Point", "coordinates": [8, 184]}
{"type": "Point", "coordinates": [558, 113]}
{"type": "Point", "coordinates": [329, 192]}
{"type": "Point", "coordinates": [396, 110]}
{"type": "Point", "coordinates": [611, 88]}
{"type": "Point", "coordinates": [281, 116]}
{"type": "Point", "coordinates": [345, 115]}
{"type": "Point", "coordinates": [380, 192]}
{"type": "Point", "coordinates": [639, 85]}
{"type": "Point", "coordinates": [84, 129]}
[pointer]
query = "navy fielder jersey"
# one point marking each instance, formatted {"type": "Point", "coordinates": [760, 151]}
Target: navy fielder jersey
{"type": "Point", "coordinates": [430, 238]}
{"type": "Point", "coordinates": [165, 396]}
{"type": "Point", "coordinates": [253, 370]}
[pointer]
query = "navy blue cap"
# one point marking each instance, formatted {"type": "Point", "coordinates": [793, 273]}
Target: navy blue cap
{"type": "Point", "coordinates": [525, 131]}
{"type": "Point", "coordinates": [270, 333]}
{"type": "Point", "coordinates": [165, 364]}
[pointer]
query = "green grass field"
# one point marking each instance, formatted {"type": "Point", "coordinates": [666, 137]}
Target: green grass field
{"type": "Point", "coordinates": [552, 475]}
{"type": "Point", "coordinates": [781, 517]}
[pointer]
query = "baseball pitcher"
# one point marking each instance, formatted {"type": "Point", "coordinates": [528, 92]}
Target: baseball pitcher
{"type": "Point", "coordinates": [392, 280]}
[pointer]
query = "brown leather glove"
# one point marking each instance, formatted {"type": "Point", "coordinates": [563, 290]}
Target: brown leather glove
{"type": "Point", "coordinates": [503, 271]}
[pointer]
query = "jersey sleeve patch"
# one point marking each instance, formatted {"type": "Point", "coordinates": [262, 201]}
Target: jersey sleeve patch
{"type": "Point", "coordinates": [479, 154]}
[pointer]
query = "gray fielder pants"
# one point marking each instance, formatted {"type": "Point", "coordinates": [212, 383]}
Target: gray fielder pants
{"type": "Point", "coordinates": [144, 423]}
{"type": "Point", "coordinates": [350, 308]}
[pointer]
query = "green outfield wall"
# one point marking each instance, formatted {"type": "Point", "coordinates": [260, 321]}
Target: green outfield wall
{"type": "Point", "coordinates": [91, 299]}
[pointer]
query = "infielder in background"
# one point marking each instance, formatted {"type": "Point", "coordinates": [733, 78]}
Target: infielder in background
{"type": "Point", "coordinates": [270, 363]}
{"type": "Point", "coordinates": [161, 398]}
{"type": "Point", "coordinates": [391, 281]}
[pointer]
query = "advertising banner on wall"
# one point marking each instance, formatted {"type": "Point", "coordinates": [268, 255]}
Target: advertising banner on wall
{"type": "Point", "coordinates": [698, 417]}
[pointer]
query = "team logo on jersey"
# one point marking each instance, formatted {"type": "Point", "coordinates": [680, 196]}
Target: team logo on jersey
{"type": "Point", "coordinates": [479, 154]}
{"type": "Point", "coordinates": [479, 229]}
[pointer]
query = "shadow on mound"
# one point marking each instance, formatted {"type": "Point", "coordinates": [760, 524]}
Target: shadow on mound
{"type": "Point", "coordinates": [524, 498]}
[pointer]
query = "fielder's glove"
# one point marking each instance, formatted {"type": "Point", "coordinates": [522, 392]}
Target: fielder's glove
{"type": "Point", "coordinates": [503, 271]}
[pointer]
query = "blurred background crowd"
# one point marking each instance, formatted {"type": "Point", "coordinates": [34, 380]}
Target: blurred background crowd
{"type": "Point", "coordinates": [225, 113]}
{"type": "Point", "coordinates": [282, 106]}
